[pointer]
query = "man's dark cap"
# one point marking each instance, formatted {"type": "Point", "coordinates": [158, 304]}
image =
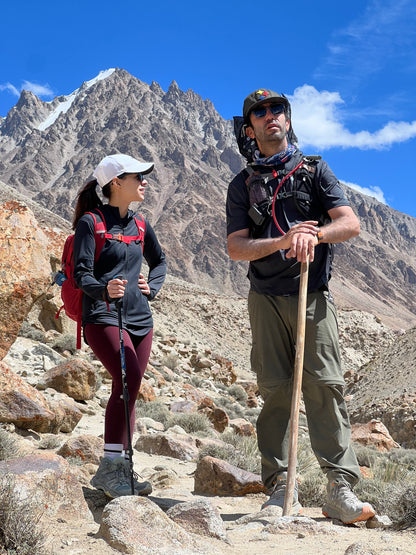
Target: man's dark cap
{"type": "Point", "coordinates": [260, 96]}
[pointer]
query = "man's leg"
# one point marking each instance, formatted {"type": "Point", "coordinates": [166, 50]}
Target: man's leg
{"type": "Point", "coordinates": [272, 358]}
{"type": "Point", "coordinates": [330, 432]}
{"type": "Point", "coordinates": [273, 431]}
{"type": "Point", "coordinates": [328, 422]}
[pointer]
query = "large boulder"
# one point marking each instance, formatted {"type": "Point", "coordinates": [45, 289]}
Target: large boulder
{"type": "Point", "coordinates": [24, 406]}
{"type": "Point", "coordinates": [48, 481]}
{"type": "Point", "coordinates": [21, 404]}
{"type": "Point", "coordinates": [152, 531]}
{"type": "Point", "coordinates": [25, 268]}
{"type": "Point", "coordinates": [75, 377]}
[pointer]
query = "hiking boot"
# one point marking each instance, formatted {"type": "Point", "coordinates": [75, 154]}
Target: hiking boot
{"type": "Point", "coordinates": [277, 496]}
{"type": "Point", "coordinates": [113, 478]}
{"type": "Point", "coordinates": [140, 488]}
{"type": "Point", "coordinates": [344, 505]}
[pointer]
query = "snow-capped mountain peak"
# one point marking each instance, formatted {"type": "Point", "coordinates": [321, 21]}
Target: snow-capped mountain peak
{"type": "Point", "coordinates": [67, 101]}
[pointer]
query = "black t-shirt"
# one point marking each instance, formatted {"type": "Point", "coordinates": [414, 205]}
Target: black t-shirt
{"type": "Point", "coordinates": [275, 274]}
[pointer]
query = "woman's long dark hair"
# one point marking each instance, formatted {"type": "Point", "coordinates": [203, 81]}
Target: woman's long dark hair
{"type": "Point", "coordinates": [88, 199]}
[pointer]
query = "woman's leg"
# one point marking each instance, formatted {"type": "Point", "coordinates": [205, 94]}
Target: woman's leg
{"type": "Point", "coordinates": [105, 342]}
{"type": "Point", "coordinates": [142, 346]}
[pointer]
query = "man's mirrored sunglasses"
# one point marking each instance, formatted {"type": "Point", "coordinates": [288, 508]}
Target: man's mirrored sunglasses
{"type": "Point", "coordinates": [275, 109]}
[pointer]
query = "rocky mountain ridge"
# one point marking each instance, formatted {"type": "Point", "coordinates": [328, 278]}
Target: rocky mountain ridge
{"type": "Point", "coordinates": [47, 150]}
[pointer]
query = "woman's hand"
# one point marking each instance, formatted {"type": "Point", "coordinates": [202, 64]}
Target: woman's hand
{"type": "Point", "coordinates": [116, 288]}
{"type": "Point", "coordinates": [143, 285]}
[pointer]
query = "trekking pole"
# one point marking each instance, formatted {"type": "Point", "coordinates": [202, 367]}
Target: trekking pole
{"type": "Point", "coordinates": [297, 389]}
{"type": "Point", "coordinates": [119, 304]}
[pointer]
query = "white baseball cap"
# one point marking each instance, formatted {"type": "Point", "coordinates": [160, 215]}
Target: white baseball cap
{"type": "Point", "coordinates": [117, 164]}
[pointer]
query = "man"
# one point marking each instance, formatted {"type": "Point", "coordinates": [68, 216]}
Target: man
{"type": "Point", "coordinates": [281, 209]}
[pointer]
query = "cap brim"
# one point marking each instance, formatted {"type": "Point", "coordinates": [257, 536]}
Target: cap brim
{"type": "Point", "coordinates": [138, 167]}
{"type": "Point", "coordinates": [149, 168]}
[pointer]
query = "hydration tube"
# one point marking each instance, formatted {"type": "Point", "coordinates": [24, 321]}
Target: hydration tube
{"type": "Point", "coordinates": [275, 195]}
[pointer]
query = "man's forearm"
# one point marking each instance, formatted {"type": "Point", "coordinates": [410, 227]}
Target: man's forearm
{"type": "Point", "coordinates": [246, 248]}
{"type": "Point", "coordinates": [340, 230]}
{"type": "Point", "coordinates": [242, 247]}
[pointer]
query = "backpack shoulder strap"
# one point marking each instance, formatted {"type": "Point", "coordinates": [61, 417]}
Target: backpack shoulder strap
{"type": "Point", "coordinates": [141, 226]}
{"type": "Point", "coordinates": [310, 163]}
{"type": "Point", "coordinates": [100, 232]}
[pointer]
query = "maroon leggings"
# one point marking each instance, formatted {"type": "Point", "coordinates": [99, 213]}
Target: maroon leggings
{"type": "Point", "coordinates": [104, 340]}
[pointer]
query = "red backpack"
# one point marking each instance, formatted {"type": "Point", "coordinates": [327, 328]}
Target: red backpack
{"type": "Point", "coordinates": [71, 294]}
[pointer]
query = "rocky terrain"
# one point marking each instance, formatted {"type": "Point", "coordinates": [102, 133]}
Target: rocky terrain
{"type": "Point", "coordinates": [188, 366]}
{"type": "Point", "coordinates": [52, 405]}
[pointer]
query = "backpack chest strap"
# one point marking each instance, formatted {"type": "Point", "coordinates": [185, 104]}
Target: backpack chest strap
{"type": "Point", "coordinates": [295, 194]}
{"type": "Point", "coordinates": [101, 230]}
{"type": "Point", "coordinates": [122, 238]}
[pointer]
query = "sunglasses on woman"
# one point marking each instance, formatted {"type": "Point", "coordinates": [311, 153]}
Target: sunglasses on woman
{"type": "Point", "coordinates": [139, 176]}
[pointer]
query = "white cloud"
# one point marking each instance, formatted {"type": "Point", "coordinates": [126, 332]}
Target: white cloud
{"type": "Point", "coordinates": [381, 32]}
{"type": "Point", "coordinates": [9, 87]}
{"type": "Point", "coordinates": [375, 192]}
{"type": "Point", "coordinates": [38, 90]}
{"type": "Point", "coordinates": [318, 122]}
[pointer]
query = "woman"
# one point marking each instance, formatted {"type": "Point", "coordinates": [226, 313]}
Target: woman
{"type": "Point", "coordinates": [116, 276]}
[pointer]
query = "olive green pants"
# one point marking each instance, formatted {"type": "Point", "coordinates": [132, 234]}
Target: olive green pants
{"type": "Point", "coordinates": [273, 322]}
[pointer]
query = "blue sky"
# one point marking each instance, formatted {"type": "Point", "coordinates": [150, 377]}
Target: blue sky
{"type": "Point", "coordinates": [349, 68]}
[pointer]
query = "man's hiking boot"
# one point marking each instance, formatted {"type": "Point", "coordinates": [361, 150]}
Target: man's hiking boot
{"type": "Point", "coordinates": [277, 496]}
{"type": "Point", "coordinates": [113, 478]}
{"type": "Point", "coordinates": [344, 505]}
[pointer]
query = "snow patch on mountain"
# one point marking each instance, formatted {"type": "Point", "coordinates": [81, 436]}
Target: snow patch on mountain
{"type": "Point", "coordinates": [65, 105]}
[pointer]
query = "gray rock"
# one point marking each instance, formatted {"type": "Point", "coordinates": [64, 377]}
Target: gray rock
{"type": "Point", "coordinates": [360, 549]}
{"type": "Point", "coordinates": [199, 517]}
{"type": "Point", "coordinates": [171, 445]}
{"type": "Point", "coordinates": [136, 525]}
{"type": "Point", "coordinates": [379, 521]}
{"type": "Point", "coordinates": [30, 359]}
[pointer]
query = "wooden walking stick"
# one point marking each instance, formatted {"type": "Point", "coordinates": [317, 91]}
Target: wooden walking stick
{"type": "Point", "coordinates": [297, 389]}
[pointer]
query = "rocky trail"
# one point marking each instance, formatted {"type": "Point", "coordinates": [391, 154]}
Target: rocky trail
{"type": "Point", "coordinates": [200, 352]}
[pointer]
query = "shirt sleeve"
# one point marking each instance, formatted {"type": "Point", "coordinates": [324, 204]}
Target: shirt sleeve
{"type": "Point", "coordinates": [156, 260]}
{"type": "Point", "coordinates": [330, 192]}
{"type": "Point", "coordinates": [237, 205]}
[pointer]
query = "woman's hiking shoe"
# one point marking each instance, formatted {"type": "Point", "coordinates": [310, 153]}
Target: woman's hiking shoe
{"type": "Point", "coordinates": [140, 488]}
{"type": "Point", "coordinates": [344, 505]}
{"type": "Point", "coordinates": [277, 496]}
{"type": "Point", "coordinates": [113, 478]}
